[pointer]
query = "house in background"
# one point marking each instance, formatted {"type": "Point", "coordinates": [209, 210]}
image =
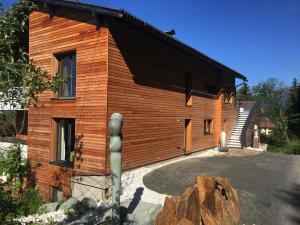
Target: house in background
{"type": "Point", "coordinates": [174, 99]}
{"type": "Point", "coordinates": [13, 122]}
{"type": "Point", "coordinates": [266, 126]}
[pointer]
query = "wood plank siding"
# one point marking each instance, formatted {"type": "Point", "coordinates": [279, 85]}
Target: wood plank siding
{"type": "Point", "coordinates": [121, 68]}
{"type": "Point", "coordinates": [67, 31]}
{"type": "Point", "coordinates": [146, 83]}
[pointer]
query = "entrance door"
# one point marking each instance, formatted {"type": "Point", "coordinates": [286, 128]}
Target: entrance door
{"type": "Point", "coordinates": [188, 135]}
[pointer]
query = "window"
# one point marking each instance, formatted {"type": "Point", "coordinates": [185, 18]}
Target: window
{"type": "Point", "coordinates": [66, 67]}
{"type": "Point", "coordinates": [188, 89]}
{"type": "Point", "coordinates": [207, 127]}
{"type": "Point", "coordinates": [64, 140]}
{"type": "Point", "coordinates": [57, 194]}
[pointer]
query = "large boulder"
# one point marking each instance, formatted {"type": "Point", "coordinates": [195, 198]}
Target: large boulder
{"type": "Point", "coordinates": [210, 201]}
{"type": "Point", "coordinates": [89, 203]}
{"type": "Point", "coordinates": [69, 205]}
{"type": "Point", "coordinates": [144, 213]}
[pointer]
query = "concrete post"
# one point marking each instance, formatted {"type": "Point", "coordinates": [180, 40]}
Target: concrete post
{"type": "Point", "coordinates": [115, 146]}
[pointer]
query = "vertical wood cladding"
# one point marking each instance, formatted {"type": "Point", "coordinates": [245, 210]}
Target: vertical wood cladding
{"type": "Point", "coordinates": [146, 83]}
{"type": "Point", "coordinates": [69, 30]}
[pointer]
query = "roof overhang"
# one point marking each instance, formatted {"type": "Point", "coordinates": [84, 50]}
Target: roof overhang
{"type": "Point", "coordinates": [122, 14]}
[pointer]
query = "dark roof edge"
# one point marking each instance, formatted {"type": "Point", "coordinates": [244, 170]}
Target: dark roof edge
{"type": "Point", "coordinates": [142, 24]}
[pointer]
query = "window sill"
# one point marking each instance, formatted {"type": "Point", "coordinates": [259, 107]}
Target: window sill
{"type": "Point", "coordinates": [63, 98]}
{"type": "Point", "coordinates": [206, 134]}
{"type": "Point", "coordinates": [62, 163]}
{"type": "Point", "coordinates": [189, 105]}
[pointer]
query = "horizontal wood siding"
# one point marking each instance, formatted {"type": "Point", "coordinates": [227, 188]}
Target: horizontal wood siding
{"type": "Point", "coordinates": [146, 83]}
{"type": "Point", "coordinates": [69, 30]}
{"type": "Point", "coordinates": [120, 68]}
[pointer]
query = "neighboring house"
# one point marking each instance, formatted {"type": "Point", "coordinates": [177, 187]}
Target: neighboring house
{"type": "Point", "coordinates": [9, 114]}
{"type": "Point", "coordinates": [174, 99]}
{"type": "Point", "coordinates": [16, 114]}
{"type": "Point", "coordinates": [266, 126]}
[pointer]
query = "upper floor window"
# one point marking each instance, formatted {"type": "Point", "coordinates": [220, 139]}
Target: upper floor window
{"type": "Point", "coordinates": [66, 67]}
{"type": "Point", "coordinates": [208, 126]}
{"type": "Point", "coordinates": [188, 89]}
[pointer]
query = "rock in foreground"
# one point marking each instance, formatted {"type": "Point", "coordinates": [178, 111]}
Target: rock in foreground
{"type": "Point", "coordinates": [210, 201]}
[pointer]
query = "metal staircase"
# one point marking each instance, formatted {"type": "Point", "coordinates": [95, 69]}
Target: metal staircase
{"type": "Point", "coordinates": [235, 139]}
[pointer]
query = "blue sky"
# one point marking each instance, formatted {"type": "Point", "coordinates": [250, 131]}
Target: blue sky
{"type": "Point", "coordinates": [258, 38]}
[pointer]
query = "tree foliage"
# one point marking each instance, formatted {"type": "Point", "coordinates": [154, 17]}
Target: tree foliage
{"type": "Point", "coordinates": [293, 109]}
{"type": "Point", "coordinates": [273, 96]}
{"type": "Point", "coordinates": [244, 93]}
{"type": "Point", "coordinates": [20, 80]}
{"type": "Point", "coordinates": [20, 84]}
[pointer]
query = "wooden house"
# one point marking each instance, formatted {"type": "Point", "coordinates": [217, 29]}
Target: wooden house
{"type": "Point", "coordinates": [174, 99]}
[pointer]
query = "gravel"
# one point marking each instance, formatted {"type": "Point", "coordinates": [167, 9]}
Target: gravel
{"type": "Point", "coordinates": [133, 189]}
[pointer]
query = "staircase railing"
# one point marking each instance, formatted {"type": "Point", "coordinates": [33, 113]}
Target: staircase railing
{"type": "Point", "coordinates": [252, 111]}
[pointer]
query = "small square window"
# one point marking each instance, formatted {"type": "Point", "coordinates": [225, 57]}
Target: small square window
{"type": "Point", "coordinates": [66, 68]}
{"type": "Point", "coordinates": [64, 141]}
{"type": "Point", "coordinates": [207, 126]}
{"type": "Point", "coordinates": [57, 194]}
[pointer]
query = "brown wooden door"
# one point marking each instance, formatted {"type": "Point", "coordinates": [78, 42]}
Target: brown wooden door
{"type": "Point", "coordinates": [188, 135]}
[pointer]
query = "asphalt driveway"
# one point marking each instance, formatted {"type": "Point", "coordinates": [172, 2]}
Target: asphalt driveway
{"type": "Point", "coordinates": [268, 184]}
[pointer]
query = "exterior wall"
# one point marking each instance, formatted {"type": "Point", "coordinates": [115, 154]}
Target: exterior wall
{"type": "Point", "coordinates": [146, 83]}
{"type": "Point", "coordinates": [120, 69]}
{"type": "Point", "coordinates": [62, 33]}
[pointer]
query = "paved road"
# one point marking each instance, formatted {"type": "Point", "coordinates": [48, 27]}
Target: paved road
{"type": "Point", "coordinates": [268, 184]}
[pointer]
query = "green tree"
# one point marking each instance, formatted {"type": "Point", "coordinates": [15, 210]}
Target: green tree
{"type": "Point", "coordinates": [273, 96]}
{"type": "Point", "coordinates": [244, 93]}
{"type": "Point", "coordinates": [293, 109]}
{"type": "Point", "coordinates": [20, 81]}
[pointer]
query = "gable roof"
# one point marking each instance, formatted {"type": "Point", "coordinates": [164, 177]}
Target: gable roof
{"type": "Point", "coordinates": [126, 16]}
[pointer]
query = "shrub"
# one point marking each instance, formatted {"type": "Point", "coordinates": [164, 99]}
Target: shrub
{"type": "Point", "coordinates": [264, 138]}
{"type": "Point", "coordinates": [14, 207]}
{"type": "Point", "coordinates": [30, 202]}
{"type": "Point", "coordinates": [8, 208]}
{"type": "Point", "coordinates": [277, 143]}
{"type": "Point", "coordinates": [275, 140]}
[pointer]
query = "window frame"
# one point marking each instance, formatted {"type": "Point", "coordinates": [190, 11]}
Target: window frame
{"type": "Point", "coordinates": [208, 122]}
{"type": "Point", "coordinates": [58, 122]}
{"type": "Point", "coordinates": [55, 192]}
{"type": "Point", "coordinates": [58, 57]}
